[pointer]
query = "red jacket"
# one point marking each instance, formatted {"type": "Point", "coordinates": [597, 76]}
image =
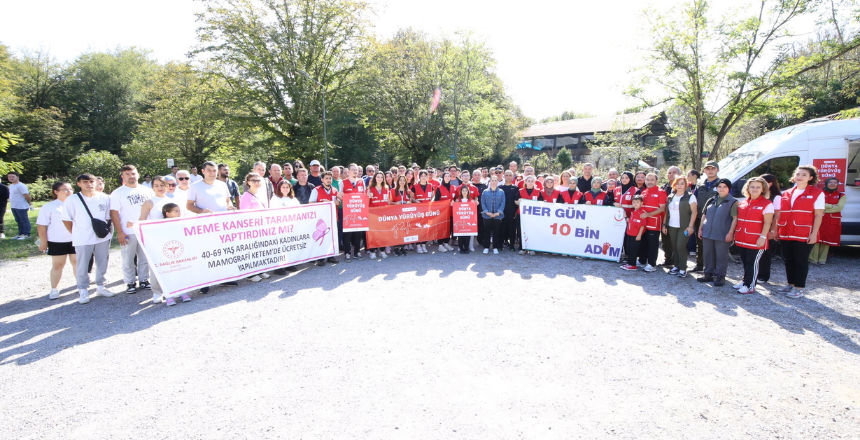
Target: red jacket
{"type": "Point", "coordinates": [751, 223]}
{"type": "Point", "coordinates": [831, 225]}
{"type": "Point", "coordinates": [635, 222]}
{"type": "Point", "coordinates": [473, 190]}
{"type": "Point", "coordinates": [652, 199]}
{"type": "Point", "coordinates": [796, 221]}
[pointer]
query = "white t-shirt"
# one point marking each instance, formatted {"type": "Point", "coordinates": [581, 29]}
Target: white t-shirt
{"type": "Point", "coordinates": [127, 201]}
{"type": "Point", "coordinates": [51, 216]}
{"type": "Point", "coordinates": [157, 204]}
{"type": "Point", "coordinates": [819, 202]}
{"type": "Point", "coordinates": [283, 202]}
{"type": "Point", "coordinates": [212, 197]}
{"type": "Point", "coordinates": [675, 211]}
{"type": "Point", "coordinates": [147, 184]}
{"type": "Point", "coordinates": [180, 197]}
{"type": "Point", "coordinates": [16, 196]}
{"type": "Point", "coordinates": [82, 227]}
{"type": "Point", "coordinates": [196, 178]}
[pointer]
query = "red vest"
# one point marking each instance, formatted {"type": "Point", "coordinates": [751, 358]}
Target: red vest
{"type": "Point", "coordinates": [617, 194]}
{"type": "Point", "coordinates": [435, 183]}
{"type": "Point", "coordinates": [795, 221]}
{"type": "Point", "coordinates": [595, 200]}
{"type": "Point", "coordinates": [550, 197]}
{"type": "Point", "coordinates": [323, 196]}
{"type": "Point", "coordinates": [397, 198]}
{"type": "Point", "coordinates": [831, 225]}
{"type": "Point", "coordinates": [522, 184]}
{"type": "Point", "coordinates": [422, 195]}
{"type": "Point", "coordinates": [378, 198]}
{"type": "Point", "coordinates": [751, 223]}
{"type": "Point", "coordinates": [571, 199]}
{"type": "Point", "coordinates": [445, 193]}
{"type": "Point", "coordinates": [473, 191]}
{"type": "Point", "coordinates": [348, 187]}
{"type": "Point", "coordinates": [627, 199]}
{"type": "Point", "coordinates": [534, 195]}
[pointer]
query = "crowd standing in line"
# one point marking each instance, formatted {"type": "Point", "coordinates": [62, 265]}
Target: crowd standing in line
{"type": "Point", "coordinates": [684, 216]}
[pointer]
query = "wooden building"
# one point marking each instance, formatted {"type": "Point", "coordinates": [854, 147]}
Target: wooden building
{"type": "Point", "coordinates": [575, 134]}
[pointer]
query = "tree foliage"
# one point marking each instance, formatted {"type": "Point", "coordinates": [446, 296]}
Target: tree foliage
{"type": "Point", "coordinates": [564, 159]}
{"type": "Point", "coordinates": [566, 116]}
{"type": "Point", "coordinates": [98, 163]}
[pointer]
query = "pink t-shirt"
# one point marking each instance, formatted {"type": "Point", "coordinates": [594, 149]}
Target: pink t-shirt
{"type": "Point", "coordinates": [250, 201]}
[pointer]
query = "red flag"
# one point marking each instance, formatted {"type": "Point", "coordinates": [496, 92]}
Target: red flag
{"type": "Point", "coordinates": [437, 96]}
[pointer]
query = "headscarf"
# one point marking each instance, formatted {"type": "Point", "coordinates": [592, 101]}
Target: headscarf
{"type": "Point", "coordinates": [626, 187]}
{"type": "Point", "coordinates": [827, 182]}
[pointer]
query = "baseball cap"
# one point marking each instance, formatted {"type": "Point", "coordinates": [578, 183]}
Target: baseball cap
{"type": "Point", "coordinates": [314, 162]}
{"type": "Point", "coordinates": [712, 163]}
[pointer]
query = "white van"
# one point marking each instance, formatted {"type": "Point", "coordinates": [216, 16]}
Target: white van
{"type": "Point", "coordinates": [831, 146]}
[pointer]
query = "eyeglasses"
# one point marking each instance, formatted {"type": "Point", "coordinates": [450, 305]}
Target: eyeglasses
{"type": "Point", "coordinates": [255, 180]}
{"type": "Point", "coordinates": [172, 185]}
{"type": "Point", "coordinates": [184, 178]}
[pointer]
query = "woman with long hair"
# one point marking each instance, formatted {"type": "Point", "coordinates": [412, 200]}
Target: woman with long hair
{"type": "Point", "coordinates": [755, 215]}
{"type": "Point", "coordinates": [423, 192]}
{"type": "Point", "coordinates": [446, 191]}
{"type": "Point", "coordinates": [255, 197]}
{"type": "Point", "coordinates": [639, 180]}
{"type": "Point", "coordinates": [800, 215]}
{"type": "Point", "coordinates": [400, 195]}
{"type": "Point", "coordinates": [54, 238]}
{"type": "Point", "coordinates": [284, 196]}
{"type": "Point", "coordinates": [566, 180]}
{"type": "Point", "coordinates": [764, 264]}
{"type": "Point", "coordinates": [410, 177]}
{"type": "Point", "coordinates": [378, 193]}
{"type": "Point", "coordinates": [464, 194]}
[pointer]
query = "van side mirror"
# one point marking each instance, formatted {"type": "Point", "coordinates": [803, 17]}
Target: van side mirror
{"type": "Point", "coordinates": [737, 188]}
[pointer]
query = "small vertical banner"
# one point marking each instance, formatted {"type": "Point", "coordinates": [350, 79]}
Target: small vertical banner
{"type": "Point", "coordinates": [465, 219]}
{"type": "Point", "coordinates": [356, 215]}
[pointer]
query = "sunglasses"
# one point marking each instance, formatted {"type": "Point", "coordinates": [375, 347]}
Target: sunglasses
{"type": "Point", "coordinates": [171, 185]}
{"type": "Point", "coordinates": [183, 178]}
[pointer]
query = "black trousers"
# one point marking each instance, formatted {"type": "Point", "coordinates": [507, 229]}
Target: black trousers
{"type": "Point", "coordinates": [631, 248]}
{"type": "Point", "coordinates": [493, 228]}
{"type": "Point", "coordinates": [508, 231]}
{"type": "Point", "coordinates": [649, 247]}
{"type": "Point", "coordinates": [796, 256]}
{"type": "Point", "coordinates": [752, 264]}
{"type": "Point", "coordinates": [668, 248]}
{"type": "Point", "coordinates": [766, 260]}
{"type": "Point", "coordinates": [463, 243]}
{"type": "Point", "coordinates": [351, 242]}
{"type": "Point", "coordinates": [700, 251]}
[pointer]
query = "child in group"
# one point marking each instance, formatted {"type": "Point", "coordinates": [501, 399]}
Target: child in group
{"type": "Point", "coordinates": [635, 229]}
{"type": "Point", "coordinates": [171, 210]}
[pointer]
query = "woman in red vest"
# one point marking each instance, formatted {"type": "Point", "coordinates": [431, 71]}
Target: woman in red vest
{"type": "Point", "coordinates": [755, 215]}
{"type": "Point", "coordinates": [446, 191]}
{"type": "Point", "coordinates": [625, 192]}
{"type": "Point", "coordinates": [596, 196]}
{"type": "Point", "coordinates": [831, 225]}
{"type": "Point", "coordinates": [400, 195]}
{"type": "Point", "coordinates": [377, 195]}
{"type": "Point", "coordinates": [352, 240]}
{"type": "Point", "coordinates": [549, 193]}
{"type": "Point", "coordinates": [423, 192]}
{"type": "Point", "coordinates": [569, 196]}
{"type": "Point", "coordinates": [801, 211]}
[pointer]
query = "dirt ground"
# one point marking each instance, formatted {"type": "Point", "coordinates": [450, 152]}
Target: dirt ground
{"type": "Point", "coordinates": [435, 346]}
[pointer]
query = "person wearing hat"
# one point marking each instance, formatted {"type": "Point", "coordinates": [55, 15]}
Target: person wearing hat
{"type": "Point", "coordinates": [717, 232]}
{"type": "Point", "coordinates": [314, 177]}
{"type": "Point", "coordinates": [704, 192]}
{"type": "Point", "coordinates": [831, 224]}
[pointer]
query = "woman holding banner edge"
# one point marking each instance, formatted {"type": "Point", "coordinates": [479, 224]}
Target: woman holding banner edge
{"type": "Point", "coordinates": [400, 195]}
{"type": "Point", "coordinates": [423, 192]}
{"type": "Point", "coordinates": [352, 240]}
{"type": "Point", "coordinates": [464, 195]}
{"type": "Point", "coordinates": [446, 191]}
{"type": "Point", "coordinates": [378, 194]}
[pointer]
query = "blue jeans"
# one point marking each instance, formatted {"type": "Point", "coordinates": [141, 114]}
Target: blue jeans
{"type": "Point", "coordinates": [23, 220]}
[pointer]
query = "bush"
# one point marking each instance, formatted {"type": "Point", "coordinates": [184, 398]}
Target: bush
{"type": "Point", "coordinates": [40, 189]}
{"type": "Point", "coordinates": [564, 159]}
{"type": "Point", "coordinates": [98, 163]}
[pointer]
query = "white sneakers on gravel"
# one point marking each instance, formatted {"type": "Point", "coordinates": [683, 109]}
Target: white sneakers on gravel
{"type": "Point", "coordinates": [156, 298]}
{"type": "Point", "coordinates": [442, 248]}
{"type": "Point", "coordinates": [448, 246]}
{"type": "Point", "coordinates": [649, 268]}
{"type": "Point", "coordinates": [255, 279]}
{"type": "Point", "coordinates": [383, 255]}
{"type": "Point", "coordinates": [738, 285]}
{"type": "Point", "coordinates": [795, 293]}
{"type": "Point", "coordinates": [746, 290]}
{"type": "Point", "coordinates": [486, 251]}
{"type": "Point", "coordinates": [85, 297]}
{"type": "Point", "coordinates": [495, 251]}
{"type": "Point", "coordinates": [372, 255]}
{"type": "Point", "coordinates": [54, 294]}
{"type": "Point", "coordinates": [101, 291]}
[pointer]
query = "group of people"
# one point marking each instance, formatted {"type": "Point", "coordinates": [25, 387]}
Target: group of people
{"type": "Point", "coordinates": [684, 215]}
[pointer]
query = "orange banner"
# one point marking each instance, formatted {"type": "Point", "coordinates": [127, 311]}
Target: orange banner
{"type": "Point", "coordinates": [395, 225]}
{"type": "Point", "coordinates": [355, 216]}
{"type": "Point", "coordinates": [465, 219]}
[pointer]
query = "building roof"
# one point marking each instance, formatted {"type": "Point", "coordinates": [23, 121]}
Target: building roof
{"type": "Point", "coordinates": [633, 121]}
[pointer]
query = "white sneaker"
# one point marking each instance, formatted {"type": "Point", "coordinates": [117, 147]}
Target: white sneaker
{"type": "Point", "coordinates": [423, 248]}
{"type": "Point", "coordinates": [156, 298]}
{"type": "Point", "coordinates": [85, 297]}
{"type": "Point", "coordinates": [442, 248]}
{"type": "Point", "coordinates": [531, 252]}
{"type": "Point", "coordinates": [449, 247]}
{"type": "Point", "coordinates": [745, 289]}
{"type": "Point", "coordinates": [2, 236]}
{"type": "Point", "coordinates": [372, 255]}
{"type": "Point", "coordinates": [265, 275]}
{"type": "Point", "coordinates": [495, 251]}
{"type": "Point", "coordinates": [101, 291]}
{"type": "Point", "coordinates": [54, 294]}
{"type": "Point", "coordinates": [383, 255]}
{"type": "Point", "coordinates": [795, 293]}
{"type": "Point", "coordinates": [255, 279]}
{"type": "Point", "coordinates": [486, 251]}
{"type": "Point", "coordinates": [738, 285]}
{"type": "Point", "coordinates": [649, 268]}
{"type": "Point", "coordinates": [471, 248]}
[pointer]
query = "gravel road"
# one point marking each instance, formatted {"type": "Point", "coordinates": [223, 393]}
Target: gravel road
{"type": "Point", "coordinates": [466, 346]}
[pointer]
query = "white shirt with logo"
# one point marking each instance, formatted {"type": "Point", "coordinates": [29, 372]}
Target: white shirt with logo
{"type": "Point", "coordinates": [127, 202]}
{"type": "Point", "coordinates": [82, 227]}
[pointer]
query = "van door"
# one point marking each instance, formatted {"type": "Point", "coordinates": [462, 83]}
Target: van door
{"type": "Point", "coordinates": [851, 211]}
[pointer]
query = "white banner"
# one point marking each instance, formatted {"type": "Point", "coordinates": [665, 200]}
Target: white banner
{"type": "Point", "coordinates": [188, 253]}
{"type": "Point", "coordinates": [582, 230]}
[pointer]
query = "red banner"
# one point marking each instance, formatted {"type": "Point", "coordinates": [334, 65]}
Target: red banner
{"type": "Point", "coordinates": [465, 217]}
{"type": "Point", "coordinates": [355, 212]}
{"type": "Point", "coordinates": [395, 225]}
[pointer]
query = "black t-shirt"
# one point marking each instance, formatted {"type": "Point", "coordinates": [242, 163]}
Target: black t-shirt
{"type": "Point", "coordinates": [315, 181]}
{"type": "Point", "coordinates": [512, 194]}
{"type": "Point", "coordinates": [583, 184]}
{"type": "Point", "coordinates": [303, 192]}
{"type": "Point", "coordinates": [4, 198]}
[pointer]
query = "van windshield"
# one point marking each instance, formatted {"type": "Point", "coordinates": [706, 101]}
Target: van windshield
{"type": "Point", "coordinates": [749, 154]}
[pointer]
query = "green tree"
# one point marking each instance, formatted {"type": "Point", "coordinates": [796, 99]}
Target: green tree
{"type": "Point", "coordinates": [623, 146]}
{"type": "Point", "coordinates": [566, 116]}
{"type": "Point", "coordinates": [98, 163]}
{"type": "Point", "coordinates": [564, 159]}
{"type": "Point", "coordinates": [8, 101]}
{"type": "Point", "coordinates": [103, 96]}
{"type": "Point", "coordinates": [262, 46]}
{"type": "Point", "coordinates": [723, 72]}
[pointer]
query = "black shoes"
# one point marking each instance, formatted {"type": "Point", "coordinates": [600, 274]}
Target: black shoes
{"type": "Point", "coordinates": [320, 263]}
{"type": "Point", "coordinates": [204, 290]}
{"type": "Point", "coordinates": [131, 288]}
{"type": "Point", "coordinates": [144, 285]}
{"type": "Point", "coordinates": [719, 281]}
{"type": "Point", "coordinates": [706, 279]}
{"type": "Point", "coordinates": [331, 260]}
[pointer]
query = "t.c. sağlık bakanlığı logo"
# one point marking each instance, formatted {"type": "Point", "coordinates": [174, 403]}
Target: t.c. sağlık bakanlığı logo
{"type": "Point", "coordinates": [173, 249]}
